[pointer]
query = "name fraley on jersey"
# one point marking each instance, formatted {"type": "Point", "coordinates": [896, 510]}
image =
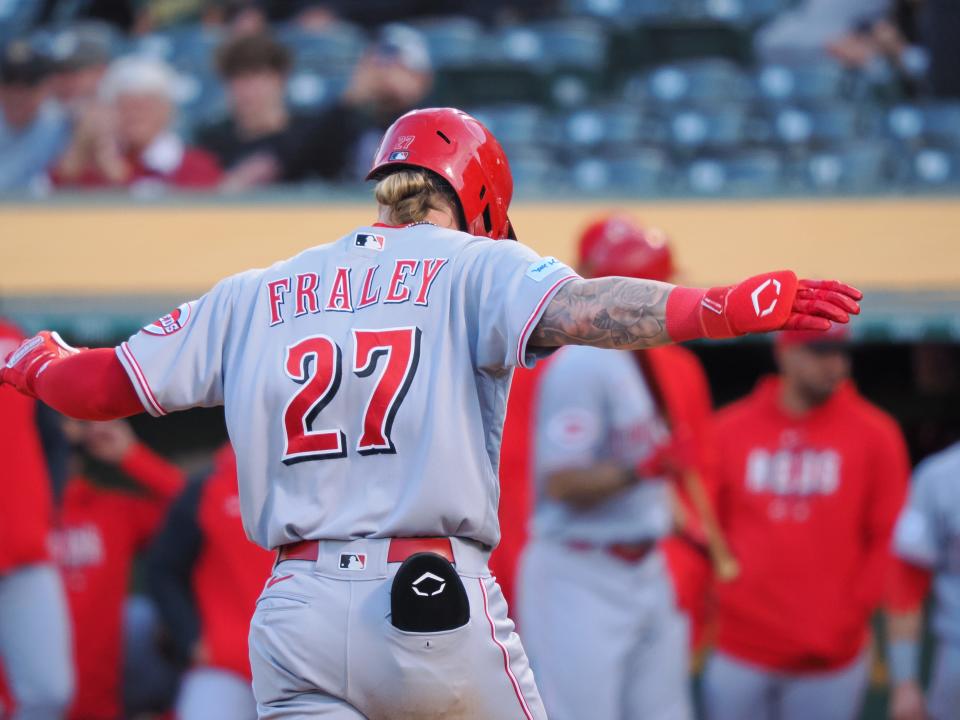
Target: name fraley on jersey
{"type": "Point", "coordinates": [404, 281]}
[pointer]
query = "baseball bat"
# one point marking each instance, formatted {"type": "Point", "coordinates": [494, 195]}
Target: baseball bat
{"type": "Point", "coordinates": [725, 565]}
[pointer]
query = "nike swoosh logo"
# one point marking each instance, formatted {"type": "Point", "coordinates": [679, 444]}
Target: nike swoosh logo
{"type": "Point", "coordinates": [273, 581]}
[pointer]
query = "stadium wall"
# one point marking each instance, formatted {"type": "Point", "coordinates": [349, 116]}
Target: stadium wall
{"type": "Point", "coordinates": [902, 244]}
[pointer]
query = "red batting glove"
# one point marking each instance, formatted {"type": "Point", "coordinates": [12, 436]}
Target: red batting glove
{"type": "Point", "coordinates": [762, 303]}
{"type": "Point", "coordinates": [25, 364]}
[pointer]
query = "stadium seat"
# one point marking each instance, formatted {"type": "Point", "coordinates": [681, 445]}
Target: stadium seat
{"type": "Point", "coordinates": [856, 167]}
{"type": "Point", "coordinates": [516, 124]}
{"type": "Point", "coordinates": [802, 83]}
{"type": "Point", "coordinates": [640, 172]}
{"type": "Point", "coordinates": [722, 126]}
{"type": "Point", "coordinates": [190, 48]}
{"type": "Point", "coordinates": [694, 81]}
{"type": "Point", "coordinates": [574, 43]}
{"type": "Point", "coordinates": [616, 126]}
{"type": "Point", "coordinates": [332, 51]}
{"type": "Point", "coordinates": [308, 90]}
{"type": "Point", "coordinates": [832, 123]}
{"type": "Point", "coordinates": [16, 17]}
{"type": "Point", "coordinates": [941, 123]}
{"type": "Point", "coordinates": [454, 41]}
{"type": "Point", "coordinates": [934, 168]}
{"type": "Point", "coordinates": [757, 172]}
{"type": "Point", "coordinates": [534, 172]}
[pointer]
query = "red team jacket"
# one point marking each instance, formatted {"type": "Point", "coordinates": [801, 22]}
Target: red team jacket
{"type": "Point", "coordinates": [99, 532]}
{"type": "Point", "coordinates": [808, 504]}
{"type": "Point", "coordinates": [229, 573]}
{"type": "Point", "coordinates": [26, 512]}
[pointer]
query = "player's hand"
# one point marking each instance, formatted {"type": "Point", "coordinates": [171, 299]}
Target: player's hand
{"type": "Point", "coordinates": [777, 301]}
{"type": "Point", "coordinates": [907, 702]}
{"type": "Point", "coordinates": [25, 364]}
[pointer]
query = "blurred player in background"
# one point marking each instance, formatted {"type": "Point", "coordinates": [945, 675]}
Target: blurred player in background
{"type": "Point", "coordinates": [810, 477]}
{"type": "Point", "coordinates": [100, 530]}
{"type": "Point", "coordinates": [927, 545]}
{"type": "Point", "coordinates": [205, 577]}
{"type": "Point", "coordinates": [608, 429]}
{"type": "Point", "coordinates": [35, 638]}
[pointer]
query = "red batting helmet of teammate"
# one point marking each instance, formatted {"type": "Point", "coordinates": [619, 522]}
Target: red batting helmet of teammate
{"type": "Point", "coordinates": [618, 245]}
{"type": "Point", "coordinates": [458, 148]}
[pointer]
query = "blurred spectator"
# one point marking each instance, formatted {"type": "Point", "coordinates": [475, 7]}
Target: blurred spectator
{"type": "Point", "coordinates": [33, 130]}
{"type": "Point", "coordinates": [816, 28]}
{"type": "Point", "coordinates": [100, 530]}
{"type": "Point", "coordinates": [129, 140]}
{"type": "Point", "coordinates": [34, 620]}
{"type": "Point", "coordinates": [205, 576]}
{"type": "Point", "coordinates": [393, 77]}
{"type": "Point", "coordinates": [81, 55]}
{"type": "Point", "coordinates": [264, 142]}
{"type": "Point", "coordinates": [810, 477]}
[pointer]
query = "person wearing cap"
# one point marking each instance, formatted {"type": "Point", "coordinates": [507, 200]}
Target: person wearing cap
{"type": "Point", "coordinates": [809, 479]}
{"type": "Point", "coordinates": [612, 431]}
{"type": "Point", "coordinates": [129, 140]}
{"type": "Point", "coordinates": [81, 56]}
{"type": "Point", "coordinates": [33, 130]}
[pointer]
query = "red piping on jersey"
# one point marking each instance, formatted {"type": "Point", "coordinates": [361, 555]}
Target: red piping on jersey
{"type": "Point", "coordinates": [506, 656]}
{"type": "Point", "coordinates": [142, 379]}
{"type": "Point", "coordinates": [395, 227]}
{"type": "Point", "coordinates": [529, 326]}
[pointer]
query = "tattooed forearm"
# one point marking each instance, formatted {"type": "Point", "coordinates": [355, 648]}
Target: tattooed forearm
{"type": "Point", "coordinates": [611, 312]}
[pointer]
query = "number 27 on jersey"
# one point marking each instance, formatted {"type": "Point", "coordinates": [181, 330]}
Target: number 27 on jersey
{"type": "Point", "coordinates": [316, 363]}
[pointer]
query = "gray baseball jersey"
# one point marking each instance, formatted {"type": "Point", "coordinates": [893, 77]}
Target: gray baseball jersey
{"type": "Point", "coordinates": [364, 381]}
{"type": "Point", "coordinates": [928, 534]}
{"type": "Point", "coordinates": [594, 405]}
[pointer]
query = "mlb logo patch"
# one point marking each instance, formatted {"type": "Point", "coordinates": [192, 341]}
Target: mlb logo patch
{"type": "Point", "coordinates": [370, 241]}
{"type": "Point", "coordinates": [353, 561]}
{"type": "Point", "coordinates": [399, 155]}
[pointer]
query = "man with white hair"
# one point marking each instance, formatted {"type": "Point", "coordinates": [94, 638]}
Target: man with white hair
{"type": "Point", "coordinates": [128, 139]}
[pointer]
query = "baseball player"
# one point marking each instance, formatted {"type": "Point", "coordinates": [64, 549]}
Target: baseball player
{"type": "Point", "coordinates": [35, 644]}
{"type": "Point", "coordinates": [602, 506]}
{"type": "Point", "coordinates": [927, 545]}
{"type": "Point", "coordinates": [364, 383]}
{"type": "Point", "coordinates": [205, 577]}
{"type": "Point", "coordinates": [98, 533]}
{"type": "Point", "coordinates": [810, 477]}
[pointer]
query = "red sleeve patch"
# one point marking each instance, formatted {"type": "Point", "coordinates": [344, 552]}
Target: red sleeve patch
{"type": "Point", "coordinates": [170, 323]}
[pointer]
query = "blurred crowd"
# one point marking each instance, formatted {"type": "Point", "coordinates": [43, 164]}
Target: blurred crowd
{"type": "Point", "coordinates": [77, 113]}
{"type": "Point", "coordinates": [84, 120]}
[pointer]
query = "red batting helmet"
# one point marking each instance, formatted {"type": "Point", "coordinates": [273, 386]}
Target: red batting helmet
{"type": "Point", "coordinates": [618, 245]}
{"type": "Point", "coordinates": [458, 148]}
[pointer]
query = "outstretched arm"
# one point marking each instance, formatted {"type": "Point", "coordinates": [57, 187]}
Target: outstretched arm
{"type": "Point", "coordinates": [630, 314]}
{"type": "Point", "coordinates": [80, 383]}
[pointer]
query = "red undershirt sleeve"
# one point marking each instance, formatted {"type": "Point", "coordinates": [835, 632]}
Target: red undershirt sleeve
{"type": "Point", "coordinates": [90, 385]}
